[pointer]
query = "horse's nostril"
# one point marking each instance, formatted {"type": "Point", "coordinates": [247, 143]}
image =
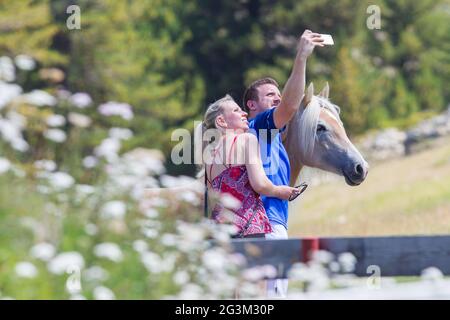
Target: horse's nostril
{"type": "Point", "coordinates": [359, 170]}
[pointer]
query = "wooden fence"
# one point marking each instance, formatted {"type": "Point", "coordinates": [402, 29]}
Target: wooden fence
{"type": "Point", "coordinates": [394, 256]}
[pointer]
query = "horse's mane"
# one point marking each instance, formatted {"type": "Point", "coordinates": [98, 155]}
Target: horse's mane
{"type": "Point", "coordinates": [310, 119]}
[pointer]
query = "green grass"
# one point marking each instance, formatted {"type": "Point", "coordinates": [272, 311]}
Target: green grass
{"type": "Point", "coordinates": [410, 195]}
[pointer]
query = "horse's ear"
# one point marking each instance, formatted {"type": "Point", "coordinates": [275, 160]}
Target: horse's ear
{"type": "Point", "coordinates": [325, 91]}
{"type": "Point", "coordinates": [309, 94]}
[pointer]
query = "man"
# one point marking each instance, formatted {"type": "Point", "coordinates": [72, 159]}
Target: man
{"type": "Point", "coordinates": [269, 112]}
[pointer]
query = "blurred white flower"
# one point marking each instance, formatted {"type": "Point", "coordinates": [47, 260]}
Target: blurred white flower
{"type": "Point", "coordinates": [109, 251]}
{"type": "Point", "coordinates": [431, 274]}
{"type": "Point", "coordinates": [169, 240]}
{"type": "Point", "coordinates": [140, 246]}
{"type": "Point", "coordinates": [191, 232]}
{"type": "Point", "coordinates": [108, 149]}
{"type": "Point", "coordinates": [26, 270]}
{"type": "Point", "coordinates": [17, 119]}
{"type": "Point", "coordinates": [229, 201]}
{"type": "Point", "coordinates": [25, 62]}
{"type": "Point", "coordinates": [47, 165]}
{"type": "Point", "coordinates": [77, 296]}
{"type": "Point", "coordinates": [191, 292]}
{"type": "Point", "coordinates": [81, 100]}
{"type": "Point", "coordinates": [56, 135]}
{"type": "Point", "coordinates": [181, 277]}
{"type": "Point", "coordinates": [60, 263]}
{"type": "Point", "coordinates": [347, 261]}
{"type": "Point", "coordinates": [90, 162]}
{"type": "Point", "coordinates": [149, 213]}
{"type": "Point", "coordinates": [120, 133]}
{"type": "Point", "coordinates": [103, 293]}
{"type": "Point", "coordinates": [40, 98]}
{"type": "Point", "coordinates": [56, 120]}
{"type": "Point", "coordinates": [215, 259]}
{"type": "Point", "coordinates": [8, 92]}
{"type": "Point", "coordinates": [43, 251]}
{"type": "Point", "coordinates": [149, 233]}
{"type": "Point", "coordinates": [60, 180]}
{"type": "Point", "coordinates": [189, 196]}
{"type": "Point", "coordinates": [20, 145]}
{"type": "Point", "coordinates": [79, 120]}
{"type": "Point", "coordinates": [7, 70]}
{"type": "Point", "coordinates": [85, 189]}
{"type": "Point", "coordinates": [151, 160]}
{"type": "Point", "coordinates": [91, 229]}
{"type": "Point", "coordinates": [322, 256]}
{"type": "Point", "coordinates": [63, 94]}
{"type": "Point", "coordinates": [5, 165]}
{"type": "Point", "coordinates": [113, 209]}
{"type": "Point", "coordinates": [95, 273]}
{"type": "Point", "coordinates": [113, 108]}
{"type": "Point", "coordinates": [156, 264]}
{"type": "Point", "coordinates": [259, 272]}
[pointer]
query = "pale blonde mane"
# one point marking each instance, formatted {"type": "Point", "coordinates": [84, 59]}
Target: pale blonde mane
{"type": "Point", "coordinates": [310, 119]}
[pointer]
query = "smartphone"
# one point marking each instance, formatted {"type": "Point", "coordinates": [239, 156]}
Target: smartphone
{"type": "Point", "coordinates": [327, 39]}
{"type": "Point", "coordinates": [302, 187]}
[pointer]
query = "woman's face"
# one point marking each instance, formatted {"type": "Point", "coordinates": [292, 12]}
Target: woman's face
{"type": "Point", "coordinates": [233, 117]}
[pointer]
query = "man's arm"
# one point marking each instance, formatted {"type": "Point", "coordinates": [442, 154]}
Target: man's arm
{"type": "Point", "coordinates": [295, 86]}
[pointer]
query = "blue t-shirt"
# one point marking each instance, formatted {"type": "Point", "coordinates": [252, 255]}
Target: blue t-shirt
{"type": "Point", "coordinates": [275, 162]}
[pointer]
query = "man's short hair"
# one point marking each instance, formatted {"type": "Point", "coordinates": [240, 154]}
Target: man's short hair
{"type": "Point", "coordinates": [251, 93]}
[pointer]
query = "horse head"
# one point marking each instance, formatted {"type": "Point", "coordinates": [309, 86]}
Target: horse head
{"type": "Point", "coordinates": [316, 137]}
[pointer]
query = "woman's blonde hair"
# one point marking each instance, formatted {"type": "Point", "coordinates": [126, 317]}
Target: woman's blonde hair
{"type": "Point", "coordinates": [214, 110]}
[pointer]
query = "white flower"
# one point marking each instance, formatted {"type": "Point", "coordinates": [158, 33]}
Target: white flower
{"type": "Point", "coordinates": [47, 165]}
{"type": "Point", "coordinates": [26, 270]}
{"type": "Point", "coordinates": [120, 133]}
{"type": "Point", "coordinates": [109, 251]}
{"type": "Point", "coordinates": [230, 202]}
{"type": "Point", "coordinates": [95, 273]}
{"type": "Point", "coordinates": [431, 274]}
{"type": "Point", "coordinates": [150, 213]}
{"type": "Point", "coordinates": [17, 119]}
{"type": "Point", "coordinates": [5, 165]}
{"type": "Point", "coordinates": [7, 70]}
{"type": "Point", "coordinates": [90, 162]}
{"type": "Point", "coordinates": [85, 189]}
{"type": "Point", "coordinates": [347, 261]}
{"type": "Point", "coordinates": [214, 259]}
{"type": "Point", "coordinates": [113, 209]}
{"type": "Point", "coordinates": [103, 293]}
{"type": "Point", "coordinates": [43, 251]}
{"type": "Point", "coordinates": [115, 108]}
{"type": "Point", "coordinates": [56, 135]}
{"type": "Point", "coordinates": [8, 92]}
{"type": "Point", "coordinates": [25, 62]}
{"type": "Point", "coordinates": [81, 100]}
{"type": "Point", "coordinates": [140, 246]}
{"type": "Point", "coordinates": [20, 145]}
{"type": "Point", "coordinates": [40, 98]}
{"type": "Point", "coordinates": [181, 277]}
{"type": "Point", "coordinates": [56, 120]}
{"type": "Point", "coordinates": [60, 180]}
{"type": "Point", "coordinates": [77, 296]}
{"type": "Point", "coordinates": [108, 149]}
{"type": "Point", "coordinates": [168, 239]}
{"type": "Point", "coordinates": [91, 229]}
{"type": "Point", "coordinates": [60, 263]}
{"type": "Point", "coordinates": [191, 232]}
{"type": "Point", "coordinates": [79, 120]}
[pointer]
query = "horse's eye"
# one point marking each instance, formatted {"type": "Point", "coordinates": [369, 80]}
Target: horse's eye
{"type": "Point", "coordinates": [321, 128]}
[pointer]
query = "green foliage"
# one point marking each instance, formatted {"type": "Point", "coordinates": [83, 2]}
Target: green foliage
{"type": "Point", "coordinates": [170, 59]}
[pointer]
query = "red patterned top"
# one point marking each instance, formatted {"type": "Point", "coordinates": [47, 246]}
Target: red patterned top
{"type": "Point", "coordinates": [250, 217]}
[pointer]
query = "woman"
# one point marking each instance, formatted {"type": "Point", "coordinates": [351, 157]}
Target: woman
{"type": "Point", "coordinates": [234, 166]}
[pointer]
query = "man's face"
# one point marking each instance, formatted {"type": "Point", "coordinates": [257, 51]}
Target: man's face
{"type": "Point", "coordinates": [268, 96]}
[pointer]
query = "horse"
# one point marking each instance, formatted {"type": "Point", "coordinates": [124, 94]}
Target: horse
{"type": "Point", "coordinates": [316, 137]}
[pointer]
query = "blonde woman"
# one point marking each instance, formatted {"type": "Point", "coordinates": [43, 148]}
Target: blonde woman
{"type": "Point", "coordinates": [233, 166]}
